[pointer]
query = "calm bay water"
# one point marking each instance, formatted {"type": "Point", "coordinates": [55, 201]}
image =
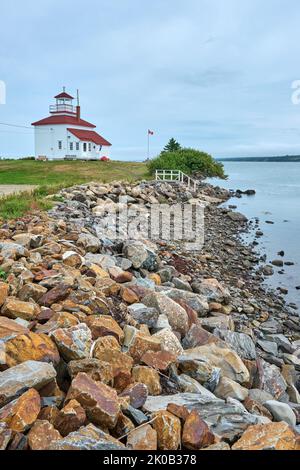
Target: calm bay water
{"type": "Point", "coordinates": [277, 199]}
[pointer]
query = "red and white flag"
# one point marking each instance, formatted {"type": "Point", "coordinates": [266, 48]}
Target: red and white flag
{"type": "Point", "coordinates": [150, 132]}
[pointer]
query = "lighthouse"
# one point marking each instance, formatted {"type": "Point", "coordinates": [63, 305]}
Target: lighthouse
{"type": "Point", "coordinates": [64, 135]}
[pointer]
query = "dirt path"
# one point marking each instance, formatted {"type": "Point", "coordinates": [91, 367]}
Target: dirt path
{"type": "Point", "coordinates": [6, 189]}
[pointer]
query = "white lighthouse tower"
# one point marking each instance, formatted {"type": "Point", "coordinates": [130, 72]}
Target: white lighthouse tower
{"type": "Point", "coordinates": [65, 136]}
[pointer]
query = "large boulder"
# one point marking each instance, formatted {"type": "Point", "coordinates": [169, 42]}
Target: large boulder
{"type": "Point", "coordinates": [176, 315]}
{"type": "Point", "coordinates": [141, 343]}
{"type": "Point", "coordinates": [21, 413]}
{"type": "Point", "coordinates": [104, 325]}
{"type": "Point", "coordinates": [168, 341]}
{"type": "Point", "coordinates": [89, 242]}
{"type": "Point", "coordinates": [168, 428]}
{"type": "Point", "coordinates": [143, 438]}
{"type": "Point", "coordinates": [271, 436]}
{"type": "Point", "coordinates": [99, 401]}
{"type": "Point", "coordinates": [29, 374]}
{"type": "Point", "coordinates": [97, 370]}
{"type": "Point", "coordinates": [226, 419]}
{"type": "Point", "coordinates": [196, 433]}
{"type": "Point", "coordinates": [198, 336]}
{"type": "Point", "coordinates": [30, 346]}
{"type": "Point", "coordinates": [281, 412]}
{"type": "Point", "coordinates": [143, 314]}
{"type": "Point", "coordinates": [226, 359]}
{"type": "Point", "coordinates": [241, 343]}
{"type": "Point", "coordinates": [224, 322]}
{"type": "Point", "coordinates": [87, 438]}
{"type": "Point", "coordinates": [14, 308]}
{"type": "Point", "coordinates": [136, 252]}
{"type": "Point", "coordinates": [42, 435]}
{"type": "Point", "coordinates": [10, 329]}
{"type": "Point", "coordinates": [4, 290]}
{"type": "Point", "coordinates": [73, 343]}
{"type": "Point", "coordinates": [148, 376]}
{"type": "Point", "coordinates": [12, 250]}
{"type": "Point", "coordinates": [199, 370]}
{"type": "Point", "coordinates": [31, 291]}
{"type": "Point", "coordinates": [228, 388]}
{"type": "Point", "coordinates": [212, 290]}
{"type": "Point", "coordinates": [5, 436]}
{"type": "Point", "coordinates": [270, 379]}
{"type": "Point", "coordinates": [55, 295]}
{"type": "Point", "coordinates": [197, 302]}
{"type": "Point", "coordinates": [70, 418]}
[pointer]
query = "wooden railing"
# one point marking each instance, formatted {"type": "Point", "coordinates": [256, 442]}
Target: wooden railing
{"type": "Point", "coordinates": [62, 108]}
{"type": "Point", "coordinates": [176, 175]}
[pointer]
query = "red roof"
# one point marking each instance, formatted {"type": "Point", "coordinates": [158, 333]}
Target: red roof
{"type": "Point", "coordinates": [63, 119]}
{"type": "Point", "coordinates": [64, 95]}
{"type": "Point", "coordinates": [89, 136]}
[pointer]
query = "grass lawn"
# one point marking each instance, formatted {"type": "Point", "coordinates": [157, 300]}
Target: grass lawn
{"type": "Point", "coordinates": [68, 173]}
{"type": "Point", "coordinates": [52, 176]}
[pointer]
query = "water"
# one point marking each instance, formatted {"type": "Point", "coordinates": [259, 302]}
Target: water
{"type": "Point", "coordinates": [277, 199]}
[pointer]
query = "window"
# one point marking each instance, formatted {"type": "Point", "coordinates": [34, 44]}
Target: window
{"type": "Point", "coordinates": [71, 145]}
{"type": "Point", "coordinates": [90, 147]}
{"type": "Point", "coordinates": [60, 144]}
{"type": "Point", "coordinates": [84, 146]}
{"type": "Point", "coordinates": [77, 145]}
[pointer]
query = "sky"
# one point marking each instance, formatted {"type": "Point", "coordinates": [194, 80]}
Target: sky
{"type": "Point", "coordinates": [214, 74]}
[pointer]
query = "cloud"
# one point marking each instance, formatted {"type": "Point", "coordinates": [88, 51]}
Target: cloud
{"type": "Point", "coordinates": [215, 74]}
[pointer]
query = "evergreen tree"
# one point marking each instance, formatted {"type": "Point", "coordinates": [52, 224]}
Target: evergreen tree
{"type": "Point", "coordinates": [172, 146]}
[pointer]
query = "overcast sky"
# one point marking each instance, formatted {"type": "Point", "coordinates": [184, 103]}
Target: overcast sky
{"type": "Point", "coordinates": [214, 74]}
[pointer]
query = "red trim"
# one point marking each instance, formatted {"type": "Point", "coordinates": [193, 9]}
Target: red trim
{"type": "Point", "coordinates": [63, 119]}
{"type": "Point", "coordinates": [89, 136]}
{"type": "Point", "coordinates": [64, 95]}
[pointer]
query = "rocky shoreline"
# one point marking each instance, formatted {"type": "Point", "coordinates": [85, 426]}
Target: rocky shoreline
{"type": "Point", "coordinates": [131, 344]}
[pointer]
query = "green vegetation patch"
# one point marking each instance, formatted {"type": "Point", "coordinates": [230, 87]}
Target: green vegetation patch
{"type": "Point", "coordinates": [189, 161]}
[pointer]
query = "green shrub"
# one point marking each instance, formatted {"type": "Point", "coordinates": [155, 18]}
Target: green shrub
{"type": "Point", "coordinates": [189, 161]}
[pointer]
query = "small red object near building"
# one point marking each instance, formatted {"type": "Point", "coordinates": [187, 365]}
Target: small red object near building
{"type": "Point", "coordinates": [104, 159]}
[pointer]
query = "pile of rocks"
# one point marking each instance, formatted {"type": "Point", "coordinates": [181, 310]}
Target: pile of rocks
{"type": "Point", "coordinates": [130, 344]}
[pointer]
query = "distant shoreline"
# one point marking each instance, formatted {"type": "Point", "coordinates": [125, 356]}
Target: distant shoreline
{"type": "Point", "coordinates": [287, 158]}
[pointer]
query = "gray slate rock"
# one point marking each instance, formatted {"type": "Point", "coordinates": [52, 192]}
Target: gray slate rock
{"type": "Point", "coordinates": [282, 342]}
{"type": "Point", "coordinates": [30, 374]}
{"type": "Point", "coordinates": [87, 438]}
{"type": "Point", "coordinates": [259, 395]}
{"type": "Point", "coordinates": [270, 380]}
{"type": "Point", "coordinates": [269, 347]}
{"type": "Point", "coordinates": [143, 314]}
{"type": "Point", "coordinates": [227, 419]}
{"type": "Point", "coordinates": [180, 284]}
{"type": "Point", "coordinates": [281, 412]}
{"type": "Point", "coordinates": [7, 250]}
{"type": "Point", "coordinates": [237, 216]}
{"type": "Point", "coordinates": [241, 343]}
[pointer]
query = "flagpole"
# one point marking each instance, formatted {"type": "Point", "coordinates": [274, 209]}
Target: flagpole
{"type": "Point", "coordinates": [148, 145]}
